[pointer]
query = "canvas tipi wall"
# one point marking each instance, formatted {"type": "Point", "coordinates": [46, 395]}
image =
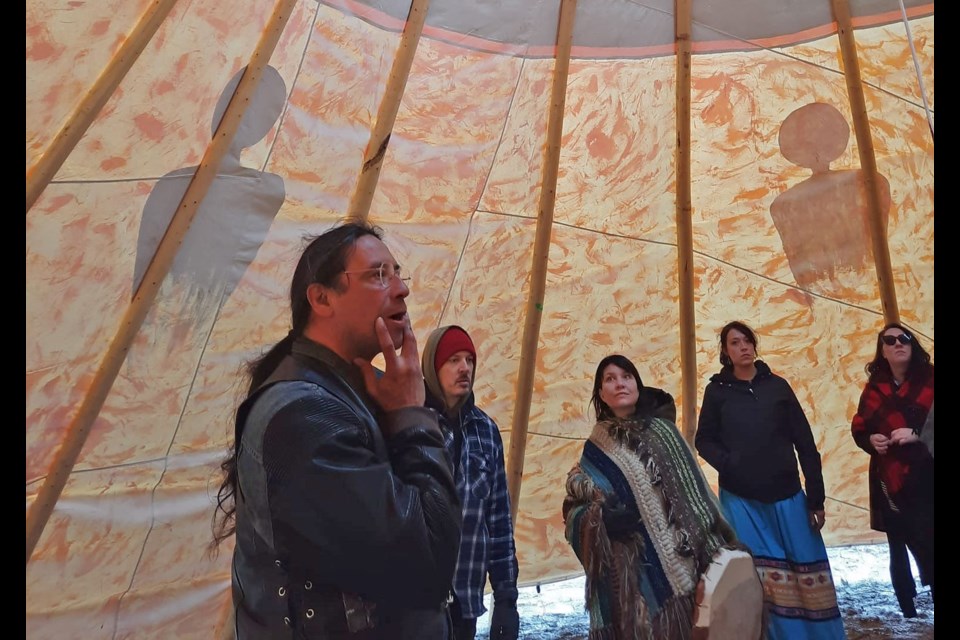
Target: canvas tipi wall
{"type": "Point", "coordinates": [774, 164]}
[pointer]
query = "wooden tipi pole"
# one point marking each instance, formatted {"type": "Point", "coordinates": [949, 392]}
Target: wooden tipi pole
{"type": "Point", "coordinates": [688, 332]}
{"type": "Point", "coordinates": [83, 115]}
{"type": "Point", "coordinates": [868, 160]}
{"type": "Point", "coordinates": [39, 512]}
{"type": "Point", "coordinates": [359, 207]}
{"type": "Point", "coordinates": [541, 250]}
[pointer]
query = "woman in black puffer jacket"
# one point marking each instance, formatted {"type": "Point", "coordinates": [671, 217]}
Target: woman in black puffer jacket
{"type": "Point", "coordinates": [753, 431]}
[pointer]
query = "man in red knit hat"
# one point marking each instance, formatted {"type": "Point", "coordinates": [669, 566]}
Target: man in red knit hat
{"type": "Point", "coordinates": [487, 547]}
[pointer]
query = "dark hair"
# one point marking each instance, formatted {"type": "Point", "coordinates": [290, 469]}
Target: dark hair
{"type": "Point", "coordinates": [323, 259]}
{"type": "Point", "coordinates": [919, 358]}
{"type": "Point", "coordinates": [725, 360]}
{"type": "Point", "coordinates": [603, 411]}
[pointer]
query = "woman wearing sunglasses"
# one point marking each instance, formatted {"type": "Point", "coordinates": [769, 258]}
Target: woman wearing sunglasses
{"type": "Point", "coordinates": [752, 430]}
{"type": "Point", "coordinates": [893, 409]}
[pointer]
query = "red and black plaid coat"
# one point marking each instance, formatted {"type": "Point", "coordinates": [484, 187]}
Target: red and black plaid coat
{"type": "Point", "coordinates": [883, 408]}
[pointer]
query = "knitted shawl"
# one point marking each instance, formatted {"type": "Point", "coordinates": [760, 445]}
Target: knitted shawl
{"type": "Point", "coordinates": [643, 586]}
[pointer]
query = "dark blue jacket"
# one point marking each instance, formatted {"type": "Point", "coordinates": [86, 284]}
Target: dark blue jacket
{"type": "Point", "coordinates": [753, 432]}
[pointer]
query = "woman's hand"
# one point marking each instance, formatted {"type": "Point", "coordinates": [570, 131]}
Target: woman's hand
{"type": "Point", "coordinates": [880, 443]}
{"type": "Point", "coordinates": [619, 519]}
{"type": "Point", "coordinates": [817, 518]}
{"type": "Point", "coordinates": [903, 435]}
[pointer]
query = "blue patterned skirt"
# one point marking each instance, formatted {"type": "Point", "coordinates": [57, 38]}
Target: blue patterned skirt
{"type": "Point", "coordinates": [792, 561]}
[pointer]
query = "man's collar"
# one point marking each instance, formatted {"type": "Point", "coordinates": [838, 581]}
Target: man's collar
{"type": "Point", "coordinates": [314, 350]}
{"type": "Point", "coordinates": [464, 404]}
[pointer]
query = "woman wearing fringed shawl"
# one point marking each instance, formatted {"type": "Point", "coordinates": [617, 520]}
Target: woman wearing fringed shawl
{"type": "Point", "coordinates": [639, 513]}
{"type": "Point", "coordinates": [753, 431]}
{"type": "Point", "coordinates": [891, 418]}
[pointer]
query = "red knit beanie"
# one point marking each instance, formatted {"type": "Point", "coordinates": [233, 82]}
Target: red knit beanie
{"type": "Point", "coordinates": [453, 339]}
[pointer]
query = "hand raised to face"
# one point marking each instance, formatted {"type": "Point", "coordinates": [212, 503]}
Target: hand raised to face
{"type": "Point", "coordinates": [401, 384]}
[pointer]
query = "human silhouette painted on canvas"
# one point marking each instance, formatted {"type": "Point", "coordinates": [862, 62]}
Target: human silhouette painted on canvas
{"type": "Point", "coordinates": [824, 221]}
{"type": "Point", "coordinates": [235, 215]}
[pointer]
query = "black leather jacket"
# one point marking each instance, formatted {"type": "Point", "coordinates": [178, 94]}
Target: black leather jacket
{"type": "Point", "coordinates": [340, 532]}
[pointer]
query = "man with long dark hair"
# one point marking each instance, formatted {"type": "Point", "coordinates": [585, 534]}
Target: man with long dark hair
{"type": "Point", "coordinates": [338, 487]}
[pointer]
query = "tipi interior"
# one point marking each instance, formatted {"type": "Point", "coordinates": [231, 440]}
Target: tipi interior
{"type": "Point", "coordinates": [565, 178]}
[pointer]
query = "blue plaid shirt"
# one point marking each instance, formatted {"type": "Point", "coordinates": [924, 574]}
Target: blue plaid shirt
{"type": "Point", "coordinates": [486, 543]}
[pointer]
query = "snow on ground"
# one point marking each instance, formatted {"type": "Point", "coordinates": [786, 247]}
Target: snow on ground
{"type": "Point", "coordinates": [869, 608]}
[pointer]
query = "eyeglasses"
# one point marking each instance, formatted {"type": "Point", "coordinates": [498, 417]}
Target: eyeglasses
{"type": "Point", "coordinates": [385, 274]}
{"type": "Point", "coordinates": [903, 338]}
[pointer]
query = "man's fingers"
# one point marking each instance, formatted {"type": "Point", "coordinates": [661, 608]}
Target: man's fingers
{"type": "Point", "coordinates": [409, 346]}
{"type": "Point", "coordinates": [369, 374]}
{"type": "Point", "coordinates": [409, 355]}
{"type": "Point", "coordinates": [386, 342]}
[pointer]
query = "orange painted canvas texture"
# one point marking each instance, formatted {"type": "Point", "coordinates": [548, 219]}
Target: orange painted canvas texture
{"type": "Point", "coordinates": [778, 224]}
